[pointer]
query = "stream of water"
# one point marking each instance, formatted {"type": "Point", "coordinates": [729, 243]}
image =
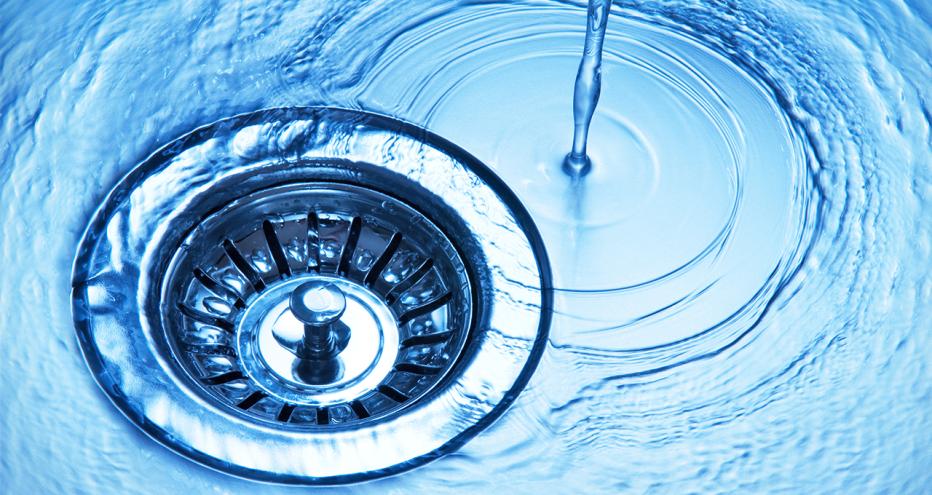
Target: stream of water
{"type": "Point", "coordinates": [743, 276]}
{"type": "Point", "coordinates": [587, 88]}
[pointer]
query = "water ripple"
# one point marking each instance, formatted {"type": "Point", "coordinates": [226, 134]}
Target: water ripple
{"type": "Point", "coordinates": [743, 281]}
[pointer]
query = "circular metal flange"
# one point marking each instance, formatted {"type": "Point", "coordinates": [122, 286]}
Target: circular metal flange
{"type": "Point", "coordinates": [311, 296]}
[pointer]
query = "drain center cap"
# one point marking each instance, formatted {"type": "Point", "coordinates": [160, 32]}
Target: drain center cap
{"type": "Point", "coordinates": [269, 333]}
{"type": "Point", "coordinates": [318, 303]}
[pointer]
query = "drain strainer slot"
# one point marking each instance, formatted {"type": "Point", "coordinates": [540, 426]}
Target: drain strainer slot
{"type": "Point", "coordinates": [311, 295]}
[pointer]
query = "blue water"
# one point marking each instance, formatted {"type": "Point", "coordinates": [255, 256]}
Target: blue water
{"type": "Point", "coordinates": [744, 276]}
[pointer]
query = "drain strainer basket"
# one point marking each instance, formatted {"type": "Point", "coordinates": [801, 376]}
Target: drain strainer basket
{"type": "Point", "coordinates": [311, 295]}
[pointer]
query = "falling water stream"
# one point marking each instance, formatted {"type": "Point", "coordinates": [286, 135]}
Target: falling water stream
{"type": "Point", "coordinates": [742, 278]}
{"type": "Point", "coordinates": [587, 88]}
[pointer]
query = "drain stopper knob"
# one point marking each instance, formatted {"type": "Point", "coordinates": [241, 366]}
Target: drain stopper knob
{"type": "Point", "coordinates": [319, 305]}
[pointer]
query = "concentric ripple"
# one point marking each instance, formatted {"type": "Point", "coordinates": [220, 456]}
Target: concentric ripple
{"type": "Point", "coordinates": [743, 281]}
{"type": "Point", "coordinates": [699, 202]}
{"type": "Point", "coordinates": [700, 205]}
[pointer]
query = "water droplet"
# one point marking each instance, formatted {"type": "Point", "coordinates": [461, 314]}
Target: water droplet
{"type": "Point", "coordinates": [341, 414]}
{"type": "Point", "coordinates": [206, 334]}
{"type": "Point", "coordinates": [330, 249]}
{"type": "Point", "coordinates": [364, 259]}
{"type": "Point", "coordinates": [216, 364]}
{"type": "Point", "coordinates": [217, 306]}
{"type": "Point", "coordinates": [233, 281]}
{"type": "Point", "coordinates": [260, 260]}
{"type": "Point", "coordinates": [295, 249]}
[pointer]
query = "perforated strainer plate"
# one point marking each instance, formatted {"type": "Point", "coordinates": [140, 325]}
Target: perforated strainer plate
{"type": "Point", "coordinates": [436, 275]}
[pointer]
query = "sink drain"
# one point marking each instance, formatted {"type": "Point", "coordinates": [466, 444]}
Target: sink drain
{"type": "Point", "coordinates": [311, 296]}
{"type": "Point", "coordinates": [393, 299]}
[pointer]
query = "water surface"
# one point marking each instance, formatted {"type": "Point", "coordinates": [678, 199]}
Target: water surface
{"type": "Point", "coordinates": [743, 283]}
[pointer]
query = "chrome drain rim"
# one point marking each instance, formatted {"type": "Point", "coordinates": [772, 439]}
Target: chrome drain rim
{"type": "Point", "coordinates": [131, 268]}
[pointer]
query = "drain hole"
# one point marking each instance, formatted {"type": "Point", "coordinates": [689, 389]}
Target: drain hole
{"type": "Point", "coordinates": [409, 281]}
{"type": "Point", "coordinates": [252, 400]}
{"type": "Point", "coordinates": [418, 369]}
{"type": "Point", "coordinates": [392, 393]}
{"type": "Point", "coordinates": [426, 308]}
{"type": "Point", "coordinates": [359, 409]}
{"type": "Point", "coordinates": [243, 266]}
{"type": "Point", "coordinates": [313, 242]}
{"type": "Point", "coordinates": [323, 416]}
{"type": "Point", "coordinates": [205, 318]}
{"type": "Point", "coordinates": [210, 284]}
{"type": "Point", "coordinates": [426, 339]}
{"type": "Point", "coordinates": [379, 266]}
{"type": "Point", "coordinates": [224, 378]}
{"type": "Point", "coordinates": [284, 414]}
{"type": "Point", "coordinates": [275, 246]}
{"type": "Point", "coordinates": [350, 247]}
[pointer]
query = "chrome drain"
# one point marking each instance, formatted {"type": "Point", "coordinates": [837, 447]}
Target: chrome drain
{"type": "Point", "coordinates": [311, 296]}
{"type": "Point", "coordinates": [239, 296]}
